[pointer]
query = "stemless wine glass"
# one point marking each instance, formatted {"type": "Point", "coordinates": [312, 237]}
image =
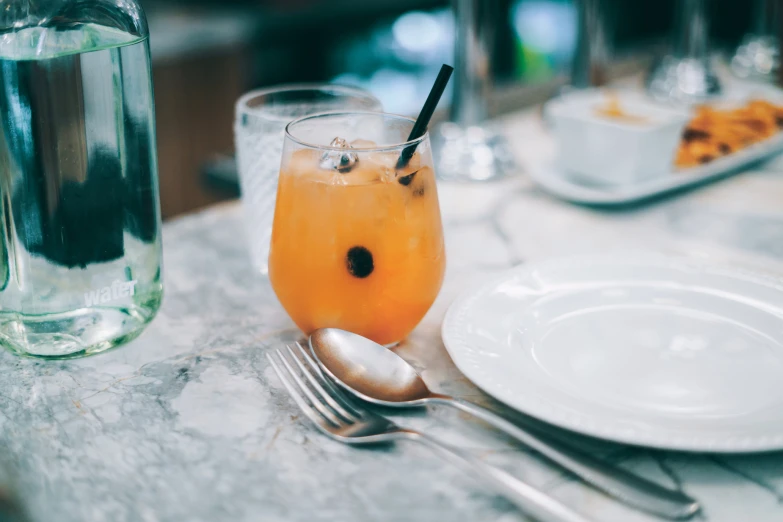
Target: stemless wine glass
{"type": "Point", "coordinates": [758, 56]}
{"type": "Point", "coordinates": [468, 148]}
{"type": "Point", "coordinates": [686, 75]}
{"type": "Point", "coordinates": [261, 117]}
{"type": "Point", "coordinates": [357, 241]}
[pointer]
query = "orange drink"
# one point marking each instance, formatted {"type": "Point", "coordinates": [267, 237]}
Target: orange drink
{"type": "Point", "coordinates": [357, 241]}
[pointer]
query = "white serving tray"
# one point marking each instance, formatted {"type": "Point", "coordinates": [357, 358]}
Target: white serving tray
{"type": "Point", "coordinates": [549, 176]}
{"type": "Point", "coordinates": [546, 173]}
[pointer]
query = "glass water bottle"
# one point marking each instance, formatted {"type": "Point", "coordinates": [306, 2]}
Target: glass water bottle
{"type": "Point", "coordinates": [80, 251]}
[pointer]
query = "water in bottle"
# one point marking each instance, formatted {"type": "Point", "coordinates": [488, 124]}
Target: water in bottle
{"type": "Point", "coordinates": [80, 255]}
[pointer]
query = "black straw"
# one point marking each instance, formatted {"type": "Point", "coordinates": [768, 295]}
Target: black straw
{"type": "Point", "coordinates": [420, 126]}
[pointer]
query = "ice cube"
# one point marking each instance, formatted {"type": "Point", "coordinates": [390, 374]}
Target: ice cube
{"type": "Point", "coordinates": [336, 160]}
{"type": "Point", "coordinates": [363, 174]}
{"type": "Point", "coordinates": [385, 159]}
{"type": "Point", "coordinates": [383, 162]}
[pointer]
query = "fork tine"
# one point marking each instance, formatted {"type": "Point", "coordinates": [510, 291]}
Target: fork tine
{"type": "Point", "coordinates": [325, 396]}
{"type": "Point", "coordinates": [333, 390]}
{"type": "Point", "coordinates": [308, 410]}
{"type": "Point", "coordinates": [323, 409]}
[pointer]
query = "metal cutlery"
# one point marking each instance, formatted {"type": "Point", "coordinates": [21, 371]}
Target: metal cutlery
{"type": "Point", "coordinates": [343, 419]}
{"type": "Point", "coordinates": [378, 375]}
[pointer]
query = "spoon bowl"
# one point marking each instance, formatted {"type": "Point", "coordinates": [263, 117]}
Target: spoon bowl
{"type": "Point", "coordinates": [368, 369]}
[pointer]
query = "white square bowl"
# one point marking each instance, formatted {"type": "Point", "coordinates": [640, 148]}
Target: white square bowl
{"type": "Point", "coordinates": [613, 151]}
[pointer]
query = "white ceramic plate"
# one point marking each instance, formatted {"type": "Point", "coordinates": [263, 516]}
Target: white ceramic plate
{"type": "Point", "coordinates": [639, 349]}
{"type": "Point", "coordinates": [549, 176]}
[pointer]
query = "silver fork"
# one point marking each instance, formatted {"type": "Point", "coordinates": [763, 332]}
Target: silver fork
{"type": "Point", "coordinates": [342, 419]}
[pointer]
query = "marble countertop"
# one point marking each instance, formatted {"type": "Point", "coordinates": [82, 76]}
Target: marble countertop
{"type": "Point", "coordinates": [189, 423]}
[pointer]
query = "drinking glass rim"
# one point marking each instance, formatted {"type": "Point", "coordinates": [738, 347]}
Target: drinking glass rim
{"type": "Point", "coordinates": [242, 101]}
{"type": "Point", "coordinates": [378, 148]}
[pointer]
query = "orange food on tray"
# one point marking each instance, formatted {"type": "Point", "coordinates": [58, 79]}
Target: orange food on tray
{"type": "Point", "coordinates": [713, 133]}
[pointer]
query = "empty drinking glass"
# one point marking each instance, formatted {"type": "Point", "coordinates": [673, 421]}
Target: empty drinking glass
{"type": "Point", "coordinates": [686, 74]}
{"type": "Point", "coordinates": [758, 56]}
{"type": "Point", "coordinates": [261, 117]}
{"type": "Point", "coordinates": [467, 148]}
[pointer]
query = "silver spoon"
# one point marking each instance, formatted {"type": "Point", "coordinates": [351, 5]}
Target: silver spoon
{"type": "Point", "coordinates": [378, 375]}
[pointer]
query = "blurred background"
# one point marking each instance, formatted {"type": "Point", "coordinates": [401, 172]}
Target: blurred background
{"type": "Point", "coordinates": [206, 53]}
